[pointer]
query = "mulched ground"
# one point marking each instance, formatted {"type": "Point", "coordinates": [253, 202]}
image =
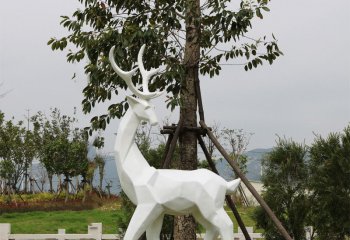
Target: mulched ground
{"type": "Point", "coordinates": [93, 201]}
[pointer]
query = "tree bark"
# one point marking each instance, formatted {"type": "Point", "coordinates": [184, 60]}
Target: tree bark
{"type": "Point", "coordinates": [26, 178]}
{"type": "Point", "coordinates": [185, 226]}
{"type": "Point", "coordinates": [49, 176]}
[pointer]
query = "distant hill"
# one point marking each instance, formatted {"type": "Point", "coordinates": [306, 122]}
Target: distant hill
{"type": "Point", "coordinates": [255, 157]}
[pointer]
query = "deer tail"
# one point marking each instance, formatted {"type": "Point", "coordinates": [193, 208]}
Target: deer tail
{"type": "Point", "coordinates": [233, 185]}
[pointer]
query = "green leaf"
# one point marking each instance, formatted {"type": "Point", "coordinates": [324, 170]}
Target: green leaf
{"type": "Point", "coordinates": [273, 36]}
{"type": "Point", "coordinates": [254, 62]}
{"type": "Point", "coordinates": [258, 13]}
{"type": "Point", "coordinates": [250, 65]}
{"type": "Point", "coordinates": [51, 41]}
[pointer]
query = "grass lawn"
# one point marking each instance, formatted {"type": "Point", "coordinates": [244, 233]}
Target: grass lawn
{"type": "Point", "coordinates": [72, 221]}
{"type": "Point", "coordinates": [77, 221]}
{"type": "Point", "coordinates": [246, 214]}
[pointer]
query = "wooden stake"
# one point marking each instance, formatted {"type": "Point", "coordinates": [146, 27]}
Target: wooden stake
{"type": "Point", "coordinates": [166, 150]}
{"type": "Point", "coordinates": [199, 99]}
{"type": "Point", "coordinates": [250, 187]}
{"type": "Point", "coordinates": [229, 201]}
{"type": "Point", "coordinates": [173, 145]}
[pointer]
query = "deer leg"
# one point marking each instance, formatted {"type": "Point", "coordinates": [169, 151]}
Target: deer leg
{"type": "Point", "coordinates": [153, 231]}
{"type": "Point", "coordinates": [143, 217]}
{"type": "Point", "coordinates": [223, 222]}
{"type": "Point", "coordinates": [210, 230]}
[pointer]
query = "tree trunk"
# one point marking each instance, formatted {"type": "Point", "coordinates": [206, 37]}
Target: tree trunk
{"type": "Point", "coordinates": [185, 226]}
{"type": "Point", "coordinates": [49, 176]}
{"type": "Point", "coordinates": [26, 179]}
{"type": "Point", "coordinates": [101, 169]}
{"type": "Point", "coordinates": [66, 188]}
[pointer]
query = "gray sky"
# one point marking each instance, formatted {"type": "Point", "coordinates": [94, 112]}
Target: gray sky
{"type": "Point", "coordinates": [305, 91]}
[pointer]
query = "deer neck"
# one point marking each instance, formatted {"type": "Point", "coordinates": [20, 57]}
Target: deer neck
{"type": "Point", "coordinates": [130, 162]}
{"type": "Point", "coordinates": [126, 134]}
{"type": "Point", "coordinates": [125, 141]}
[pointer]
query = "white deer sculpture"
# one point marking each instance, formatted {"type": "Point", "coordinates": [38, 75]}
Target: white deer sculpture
{"type": "Point", "coordinates": [161, 191]}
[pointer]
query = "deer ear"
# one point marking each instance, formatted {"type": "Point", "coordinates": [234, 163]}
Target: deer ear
{"type": "Point", "coordinates": [132, 101]}
{"type": "Point", "coordinates": [136, 103]}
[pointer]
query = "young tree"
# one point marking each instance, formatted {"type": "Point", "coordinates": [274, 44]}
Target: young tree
{"type": "Point", "coordinates": [74, 161]}
{"type": "Point", "coordinates": [285, 181]}
{"type": "Point", "coordinates": [189, 37]}
{"type": "Point", "coordinates": [62, 148]}
{"type": "Point", "coordinates": [41, 176]}
{"type": "Point", "coordinates": [16, 149]}
{"type": "Point", "coordinates": [237, 141]}
{"type": "Point", "coordinates": [329, 186]}
{"type": "Point", "coordinates": [7, 170]}
{"type": "Point", "coordinates": [100, 163]}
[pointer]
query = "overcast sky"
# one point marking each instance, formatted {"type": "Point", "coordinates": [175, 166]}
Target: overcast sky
{"type": "Point", "coordinates": [304, 92]}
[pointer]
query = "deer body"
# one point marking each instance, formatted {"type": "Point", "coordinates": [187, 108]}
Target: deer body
{"type": "Point", "coordinates": [157, 192]}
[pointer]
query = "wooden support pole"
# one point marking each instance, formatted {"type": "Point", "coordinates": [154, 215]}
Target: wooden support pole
{"type": "Point", "coordinates": [229, 201]}
{"type": "Point", "coordinates": [171, 130]}
{"type": "Point", "coordinates": [166, 150]}
{"type": "Point", "coordinates": [199, 99]}
{"type": "Point", "coordinates": [250, 187]}
{"type": "Point", "coordinates": [167, 131]}
{"type": "Point", "coordinates": [173, 145]}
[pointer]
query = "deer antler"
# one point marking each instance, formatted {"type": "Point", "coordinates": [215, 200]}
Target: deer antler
{"type": "Point", "coordinates": [126, 76]}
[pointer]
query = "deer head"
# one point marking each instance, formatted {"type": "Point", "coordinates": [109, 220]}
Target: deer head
{"type": "Point", "coordinates": [142, 107]}
{"type": "Point", "coordinates": [143, 110]}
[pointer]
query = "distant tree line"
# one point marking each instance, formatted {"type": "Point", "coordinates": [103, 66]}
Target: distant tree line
{"type": "Point", "coordinates": [308, 186]}
{"type": "Point", "coordinates": [54, 141]}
